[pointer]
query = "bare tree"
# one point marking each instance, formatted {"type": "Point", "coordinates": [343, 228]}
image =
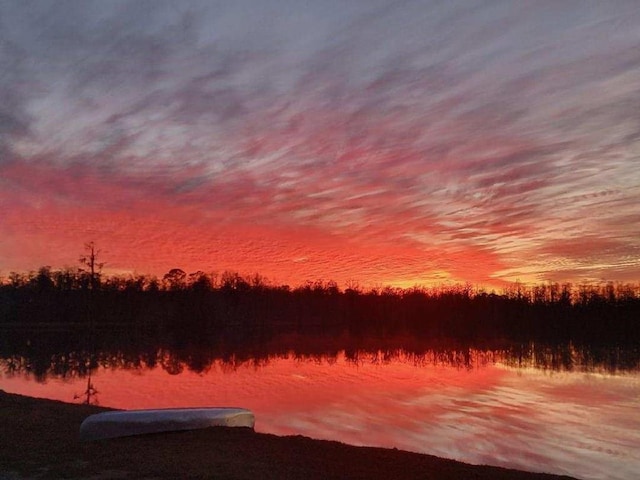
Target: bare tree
{"type": "Point", "coordinates": [94, 269]}
{"type": "Point", "coordinates": [91, 265]}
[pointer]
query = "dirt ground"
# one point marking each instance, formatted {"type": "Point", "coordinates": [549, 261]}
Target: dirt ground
{"type": "Point", "coordinates": [39, 439]}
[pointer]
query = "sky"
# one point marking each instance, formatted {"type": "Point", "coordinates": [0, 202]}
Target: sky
{"type": "Point", "coordinates": [378, 142]}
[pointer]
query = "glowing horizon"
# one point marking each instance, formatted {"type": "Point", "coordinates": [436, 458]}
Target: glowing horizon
{"type": "Point", "coordinates": [382, 143]}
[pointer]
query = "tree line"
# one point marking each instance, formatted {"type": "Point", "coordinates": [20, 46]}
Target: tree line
{"type": "Point", "coordinates": [207, 303]}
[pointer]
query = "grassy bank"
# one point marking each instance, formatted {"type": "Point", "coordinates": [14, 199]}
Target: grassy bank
{"type": "Point", "coordinates": [39, 439]}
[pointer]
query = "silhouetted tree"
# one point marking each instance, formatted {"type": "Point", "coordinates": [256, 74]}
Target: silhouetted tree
{"type": "Point", "coordinates": [92, 268]}
{"type": "Point", "coordinates": [200, 281]}
{"type": "Point", "coordinates": [175, 279]}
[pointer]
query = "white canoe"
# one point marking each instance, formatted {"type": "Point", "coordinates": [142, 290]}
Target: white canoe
{"type": "Point", "coordinates": [137, 422]}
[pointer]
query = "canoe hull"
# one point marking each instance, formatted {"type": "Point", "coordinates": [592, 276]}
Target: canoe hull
{"type": "Point", "coordinates": [139, 422]}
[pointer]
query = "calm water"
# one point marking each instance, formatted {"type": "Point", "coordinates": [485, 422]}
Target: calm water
{"type": "Point", "coordinates": [484, 408]}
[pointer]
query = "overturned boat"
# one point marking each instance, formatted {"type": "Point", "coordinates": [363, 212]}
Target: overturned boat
{"type": "Point", "coordinates": [138, 422]}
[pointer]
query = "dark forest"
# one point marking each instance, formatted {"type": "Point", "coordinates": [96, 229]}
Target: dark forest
{"type": "Point", "coordinates": [198, 301]}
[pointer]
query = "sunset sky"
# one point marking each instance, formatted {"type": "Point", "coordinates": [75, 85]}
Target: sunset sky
{"type": "Point", "coordinates": [383, 142]}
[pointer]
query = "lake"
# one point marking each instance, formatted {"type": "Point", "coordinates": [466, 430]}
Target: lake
{"type": "Point", "coordinates": [563, 411]}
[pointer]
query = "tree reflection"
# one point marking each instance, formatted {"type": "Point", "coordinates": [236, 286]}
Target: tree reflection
{"type": "Point", "coordinates": [55, 354]}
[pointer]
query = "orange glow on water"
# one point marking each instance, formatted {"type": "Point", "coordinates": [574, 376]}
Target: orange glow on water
{"type": "Point", "coordinates": [572, 423]}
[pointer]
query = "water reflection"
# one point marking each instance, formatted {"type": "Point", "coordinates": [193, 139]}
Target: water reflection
{"type": "Point", "coordinates": [61, 353]}
{"type": "Point", "coordinates": [558, 408]}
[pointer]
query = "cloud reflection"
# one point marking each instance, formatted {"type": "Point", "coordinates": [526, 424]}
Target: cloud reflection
{"type": "Point", "coordinates": [579, 424]}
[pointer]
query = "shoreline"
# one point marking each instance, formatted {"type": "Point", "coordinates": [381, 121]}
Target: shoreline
{"type": "Point", "coordinates": [39, 438]}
